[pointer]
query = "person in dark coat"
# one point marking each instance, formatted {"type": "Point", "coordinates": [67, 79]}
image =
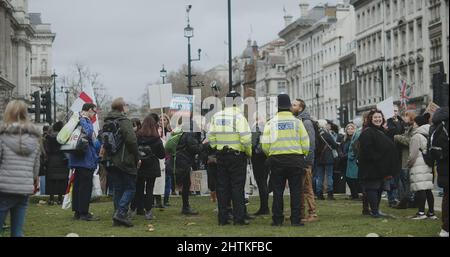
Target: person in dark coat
{"type": "Point", "coordinates": [376, 160]}
{"type": "Point", "coordinates": [324, 160]}
{"type": "Point", "coordinates": [395, 126]}
{"type": "Point", "coordinates": [57, 166]}
{"type": "Point", "coordinates": [151, 149]}
{"type": "Point", "coordinates": [187, 148]}
{"type": "Point", "coordinates": [441, 117]}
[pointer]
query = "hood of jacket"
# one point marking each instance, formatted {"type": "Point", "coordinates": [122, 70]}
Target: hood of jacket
{"type": "Point", "coordinates": [440, 115]}
{"type": "Point", "coordinates": [115, 115]}
{"type": "Point", "coordinates": [20, 138]}
{"type": "Point", "coordinates": [424, 130]}
{"type": "Point", "coordinates": [304, 115]}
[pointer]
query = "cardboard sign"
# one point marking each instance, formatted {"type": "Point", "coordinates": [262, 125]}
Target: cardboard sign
{"type": "Point", "coordinates": [159, 95]}
{"type": "Point", "coordinates": [431, 108]}
{"type": "Point", "coordinates": [387, 107]}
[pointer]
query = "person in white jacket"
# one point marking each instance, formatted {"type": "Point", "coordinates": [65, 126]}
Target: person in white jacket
{"type": "Point", "coordinates": [421, 175]}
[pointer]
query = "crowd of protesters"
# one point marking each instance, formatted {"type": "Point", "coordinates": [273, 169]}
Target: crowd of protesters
{"type": "Point", "coordinates": [372, 155]}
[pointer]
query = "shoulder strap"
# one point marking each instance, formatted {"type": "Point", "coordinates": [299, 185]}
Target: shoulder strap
{"type": "Point", "coordinates": [325, 141]}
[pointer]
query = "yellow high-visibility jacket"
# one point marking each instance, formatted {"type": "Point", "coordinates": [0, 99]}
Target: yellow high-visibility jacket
{"type": "Point", "coordinates": [230, 128]}
{"type": "Point", "coordinates": [285, 134]}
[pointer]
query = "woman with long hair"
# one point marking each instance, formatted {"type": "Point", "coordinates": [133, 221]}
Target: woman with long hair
{"type": "Point", "coordinates": [352, 182]}
{"type": "Point", "coordinates": [376, 159]}
{"type": "Point", "coordinates": [19, 164]}
{"type": "Point", "coordinates": [151, 149]}
{"type": "Point", "coordinates": [168, 162]}
{"type": "Point", "coordinates": [57, 166]}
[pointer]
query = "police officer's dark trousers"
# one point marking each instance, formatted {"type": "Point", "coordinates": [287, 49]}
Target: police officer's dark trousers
{"type": "Point", "coordinates": [261, 173]}
{"type": "Point", "coordinates": [231, 175]}
{"type": "Point", "coordinates": [279, 175]}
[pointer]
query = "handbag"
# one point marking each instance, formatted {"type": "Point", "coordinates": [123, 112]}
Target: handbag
{"type": "Point", "coordinates": [78, 142]}
{"type": "Point", "coordinates": [334, 152]}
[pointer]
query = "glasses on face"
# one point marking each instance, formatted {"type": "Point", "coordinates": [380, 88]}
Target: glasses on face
{"type": "Point", "coordinates": [94, 111]}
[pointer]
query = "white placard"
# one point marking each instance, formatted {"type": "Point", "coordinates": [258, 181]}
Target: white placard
{"type": "Point", "coordinates": [159, 95]}
{"type": "Point", "coordinates": [387, 107]}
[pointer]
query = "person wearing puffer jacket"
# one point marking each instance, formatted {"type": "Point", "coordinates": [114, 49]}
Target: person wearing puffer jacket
{"type": "Point", "coordinates": [421, 176]}
{"type": "Point", "coordinates": [19, 164]}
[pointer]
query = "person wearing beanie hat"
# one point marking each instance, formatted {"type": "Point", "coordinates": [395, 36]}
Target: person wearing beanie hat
{"type": "Point", "coordinates": [421, 175]}
{"type": "Point", "coordinates": [286, 143]}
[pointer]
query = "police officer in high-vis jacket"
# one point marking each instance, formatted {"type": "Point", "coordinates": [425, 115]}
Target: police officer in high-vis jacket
{"type": "Point", "coordinates": [286, 143]}
{"type": "Point", "coordinates": [230, 134]}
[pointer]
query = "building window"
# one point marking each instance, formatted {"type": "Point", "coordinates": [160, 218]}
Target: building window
{"type": "Point", "coordinates": [412, 75]}
{"type": "Point", "coordinates": [420, 73]}
{"type": "Point", "coordinates": [388, 12]}
{"type": "Point", "coordinates": [419, 33]}
{"type": "Point", "coordinates": [394, 11]}
{"type": "Point", "coordinates": [411, 36]}
{"type": "Point", "coordinates": [388, 44]}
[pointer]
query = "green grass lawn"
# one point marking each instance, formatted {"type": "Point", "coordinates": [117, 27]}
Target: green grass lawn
{"type": "Point", "coordinates": [339, 218]}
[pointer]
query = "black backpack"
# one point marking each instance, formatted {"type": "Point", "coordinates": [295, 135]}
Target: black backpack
{"type": "Point", "coordinates": [437, 144]}
{"type": "Point", "coordinates": [112, 136]}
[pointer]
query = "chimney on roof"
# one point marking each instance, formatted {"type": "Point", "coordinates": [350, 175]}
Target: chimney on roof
{"type": "Point", "coordinates": [287, 19]}
{"type": "Point", "coordinates": [304, 6]}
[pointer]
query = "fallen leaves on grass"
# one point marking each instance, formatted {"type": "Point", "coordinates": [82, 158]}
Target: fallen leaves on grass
{"type": "Point", "coordinates": [190, 224]}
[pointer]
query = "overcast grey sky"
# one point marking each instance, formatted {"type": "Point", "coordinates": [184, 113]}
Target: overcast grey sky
{"type": "Point", "coordinates": [128, 41]}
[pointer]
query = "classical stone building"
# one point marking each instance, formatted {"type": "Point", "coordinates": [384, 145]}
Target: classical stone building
{"type": "Point", "coordinates": [15, 50]}
{"type": "Point", "coordinates": [348, 92]}
{"type": "Point", "coordinates": [244, 70]}
{"type": "Point", "coordinates": [17, 34]}
{"type": "Point", "coordinates": [439, 49]}
{"type": "Point", "coordinates": [315, 44]}
{"type": "Point", "coordinates": [406, 51]}
{"type": "Point", "coordinates": [41, 49]}
{"type": "Point", "coordinates": [303, 52]}
{"type": "Point", "coordinates": [370, 56]}
{"type": "Point", "coordinates": [335, 41]}
{"type": "Point", "coordinates": [270, 73]}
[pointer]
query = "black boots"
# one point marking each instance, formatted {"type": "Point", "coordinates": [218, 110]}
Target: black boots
{"type": "Point", "coordinates": [189, 211]}
{"type": "Point", "coordinates": [330, 196]}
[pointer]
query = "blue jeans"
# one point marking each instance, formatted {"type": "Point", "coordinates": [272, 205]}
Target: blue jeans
{"type": "Point", "coordinates": [42, 185]}
{"type": "Point", "coordinates": [17, 206]}
{"type": "Point", "coordinates": [124, 185]}
{"type": "Point", "coordinates": [167, 188]}
{"type": "Point", "coordinates": [392, 193]}
{"type": "Point", "coordinates": [320, 173]}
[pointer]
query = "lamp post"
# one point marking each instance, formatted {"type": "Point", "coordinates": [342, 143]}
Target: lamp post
{"type": "Point", "coordinates": [317, 98]}
{"type": "Point", "coordinates": [356, 72]}
{"type": "Point", "coordinates": [230, 68]}
{"type": "Point", "coordinates": [54, 94]}
{"type": "Point", "coordinates": [189, 33]}
{"type": "Point", "coordinates": [67, 98]}
{"type": "Point", "coordinates": [163, 74]}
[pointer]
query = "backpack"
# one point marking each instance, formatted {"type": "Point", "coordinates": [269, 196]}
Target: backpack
{"type": "Point", "coordinates": [426, 155]}
{"type": "Point", "coordinates": [436, 143]}
{"type": "Point", "coordinates": [111, 136]}
{"type": "Point", "coordinates": [172, 142]}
